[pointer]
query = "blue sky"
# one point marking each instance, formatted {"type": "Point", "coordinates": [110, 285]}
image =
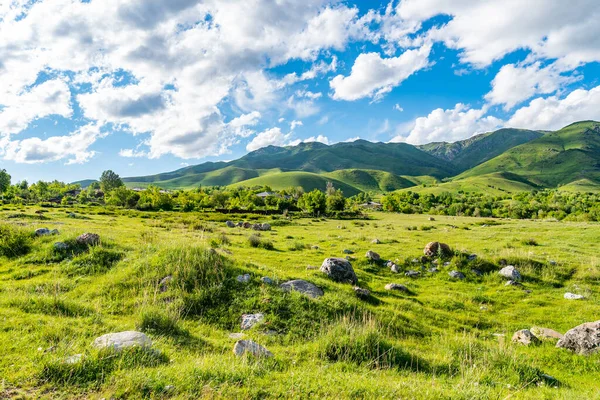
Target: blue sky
{"type": "Point", "coordinates": [145, 87]}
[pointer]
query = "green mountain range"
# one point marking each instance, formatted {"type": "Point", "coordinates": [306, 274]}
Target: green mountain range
{"type": "Point", "coordinates": [507, 160]}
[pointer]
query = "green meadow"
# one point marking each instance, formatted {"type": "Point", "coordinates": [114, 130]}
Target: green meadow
{"type": "Point", "coordinates": [443, 339]}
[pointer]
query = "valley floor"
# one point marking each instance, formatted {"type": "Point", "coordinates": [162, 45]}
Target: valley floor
{"type": "Point", "coordinates": [444, 339]}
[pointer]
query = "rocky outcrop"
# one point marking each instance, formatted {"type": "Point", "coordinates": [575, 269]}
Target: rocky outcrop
{"type": "Point", "coordinates": [583, 339]}
{"type": "Point", "coordinates": [339, 270]}
{"type": "Point", "coordinates": [122, 340]}
{"type": "Point", "coordinates": [302, 286]}
{"type": "Point", "coordinates": [437, 249]}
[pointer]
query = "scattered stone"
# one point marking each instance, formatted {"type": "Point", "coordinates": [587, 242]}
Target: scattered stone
{"type": "Point", "coordinates": [347, 251]}
{"type": "Point", "coordinates": [163, 285]}
{"type": "Point", "coordinates": [60, 246]}
{"type": "Point", "coordinates": [360, 292]}
{"type": "Point", "coordinates": [412, 274]}
{"type": "Point", "coordinates": [349, 258]}
{"type": "Point", "coordinates": [552, 262]}
{"type": "Point", "coordinates": [71, 215]}
{"type": "Point", "coordinates": [243, 278]}
{"type": "Point", "coordinates": [510, 272]}
{"type": "Point", "coordinates": [583, 339]}
{"type": "Point", "coordinates": [472, 257]}
{"type": "Point", "coordinates": [257, 227]}
{"type": "Point", "coordinates": [242, 347]}
{"type": "Point", "coordinates": [375, 241]}
{"type": "Point", "coordinates": [266, 280]}
{"type": "Point", "coordinates": [74, 359]}
{"type": "Point", "coordinates": [265, 227]}
{"type": "Point", "coordinates": [302, 286]}
{"type": "Point", "coordinates": [372, 256]}
{"type": "Point", "coordinates": [315, 247]}
{"type": "Point", "coordinates": [476, 272]}
{"type": "Point", "coordinates": [456, 275]}
{"type": "Point", "coordinates": [512, 283]}
{"type": "Point", "coordinates": [246, 225]}
{"type": "Point", "coordinates": [415, 261]}
{"type": "Point", "coordinates": [434, 270]}
{"type": "Point", "coordinates": [89, 239]}
{"type": "Point", "coordinates": [435, 249]}
{"type": "Point", "coordinates": [42, 232]}
{"type": "Point", "coordinates": [121, 340]}
{"type": "Point", "coordinates": [546, 333]}
{"type": "Point", "coordinates": [525, 337]}
{"type": "Point", "coordinates": [230, 224]}
{"type": "Point", "coordinates": [573, 296]}
{"type": "Point", "coordinates": [54, 232]}
{"type": "Point", "coordinates": [394, 268]}
{"type": "Point", "coordinates": [431, 219]}
{"type": "Point", "coordinates": [339, 270]}
{"type": "Point", "coordinates": [396, 286]}
{"type": "Point", "coordinates": [249, 320]}
{"type": "Point", "coordinates": [446, 264]}
{"type": "Point", "coordinates": [240, 224]}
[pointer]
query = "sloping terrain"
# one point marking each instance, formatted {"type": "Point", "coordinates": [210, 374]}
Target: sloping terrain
{"type": "Point", "coordinates": [471, 152]}
{"type": "Point", "coordinates": [557, 158]}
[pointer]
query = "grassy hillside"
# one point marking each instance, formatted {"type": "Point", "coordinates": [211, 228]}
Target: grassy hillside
{"type": "Point", "coordinates": [468, 153]}
{"type": "Point", "coordinates": [494, 184]}
{"type": "Point", "coordinates": [393, 158]}
{"type": "Point", "coordinates": [442, 339]}
{"type": "Point", "coordinates": [557, 158]}
{"type": "Point", "coordinates": [371, 181]}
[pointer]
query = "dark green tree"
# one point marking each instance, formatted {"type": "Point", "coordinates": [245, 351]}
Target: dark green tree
{"type": "Point", "coordinates": [109, 180]}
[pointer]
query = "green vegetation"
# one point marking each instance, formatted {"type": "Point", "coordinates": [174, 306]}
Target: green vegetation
{"type": "Point", "coordinates": [444, 338]}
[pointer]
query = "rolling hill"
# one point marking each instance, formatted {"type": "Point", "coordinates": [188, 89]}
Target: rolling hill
{"type": "Point", "coordinates": [466, 154]}
{"type": "Point", "coordinates": [555, 159]}
{"type": "Point", "coordinates": [506, 160]}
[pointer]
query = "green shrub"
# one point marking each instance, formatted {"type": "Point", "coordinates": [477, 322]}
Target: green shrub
{"type": "Point", "coordinates": [365, 346]}
{"type": "Point", "coordinates": [14, 242]}
{"type": "Point", "coordinates": [297, 246]}
{"type": "Point", "coordinates": [160, 323]}
{"type": "Point", "coordinates": [94, 369]}
{"type": "Point", "coordinates": [257, 242]}
{"type": "Point", "coordinates": [97, 261]}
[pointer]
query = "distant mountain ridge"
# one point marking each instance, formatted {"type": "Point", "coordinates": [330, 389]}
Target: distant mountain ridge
{"type": "Point", "coordinates": [504, 160]}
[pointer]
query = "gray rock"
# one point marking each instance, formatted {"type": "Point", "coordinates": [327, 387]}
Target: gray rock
{"type": "Point", "coordinates": [247, 225]}
{"type": "Point", "coordinates": [472, 257]}
{"type": "Point", "coordinates": [257, 227]}
{"type": "Point", "coordinates": [243, 278]}
{"type": "Point", "coordinates": [121, 340]}
{"type": "Point", "coordinates": [372, 256]}
{"type": "Point", "coordinates": [573, 296]}
{"type": "Point", "coordinates": [266, 280]}
{"type": "Point", "coordinates": [431, 219]}
{"type": "Point", "coordinates": [456, 275]}
{"type": "Point", "coordinates": [510, 272]}
{"type": "Point", "coordinates": [303, 287]}
{"type": "Point", "coordinates": [546, 333]}
{"type": "Point", "coordinates": [447, 264]}
{"type": "Point", "coordinates": [360, 292]}
{"type": "Point", "coordinates": [434, 270]}
{"type": "Point", "coordinates": [476, 272]}
{"type": "Point", "coordinates": [89, 239]}
{"type": "Point", "coordinates": [242, 347]}
{"type": "Point", "coordinates": [60, 246]}
{"type": "Point", "coordinates": [249, 320]}
{"type": "Point", "coordinates": [54, 232]}
{"type": "Point", "coordinates": [375, 241]}
{"type": "Point", "coordinates": [265, 227]}
{"type": "Point", "coordinates": [394, 268]}
{"type": "Point", "coordinates": [230, 224]}
{"type": "Point", "coordinates": [347, 251]}
{"type": "Point", "coordinates": [412, 274]}
{"type": "Point", "coordinates": [396, 286]}
{"type": "Point", "coordinates": [315, 247]}
{"type": "Point", "coordinates": [583, 339]}
{"type": "Point", "coordinates": [525, 337]}
{"type": "Point", "coordinates": [42, 232]}
{"type": "Point", "coordinates": [339, 270]}
{"type": "Point", "coordinates": [434, 249]}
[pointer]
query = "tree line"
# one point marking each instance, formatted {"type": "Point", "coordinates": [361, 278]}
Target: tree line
{"type": "Point", "coordinates": [110, 190]}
